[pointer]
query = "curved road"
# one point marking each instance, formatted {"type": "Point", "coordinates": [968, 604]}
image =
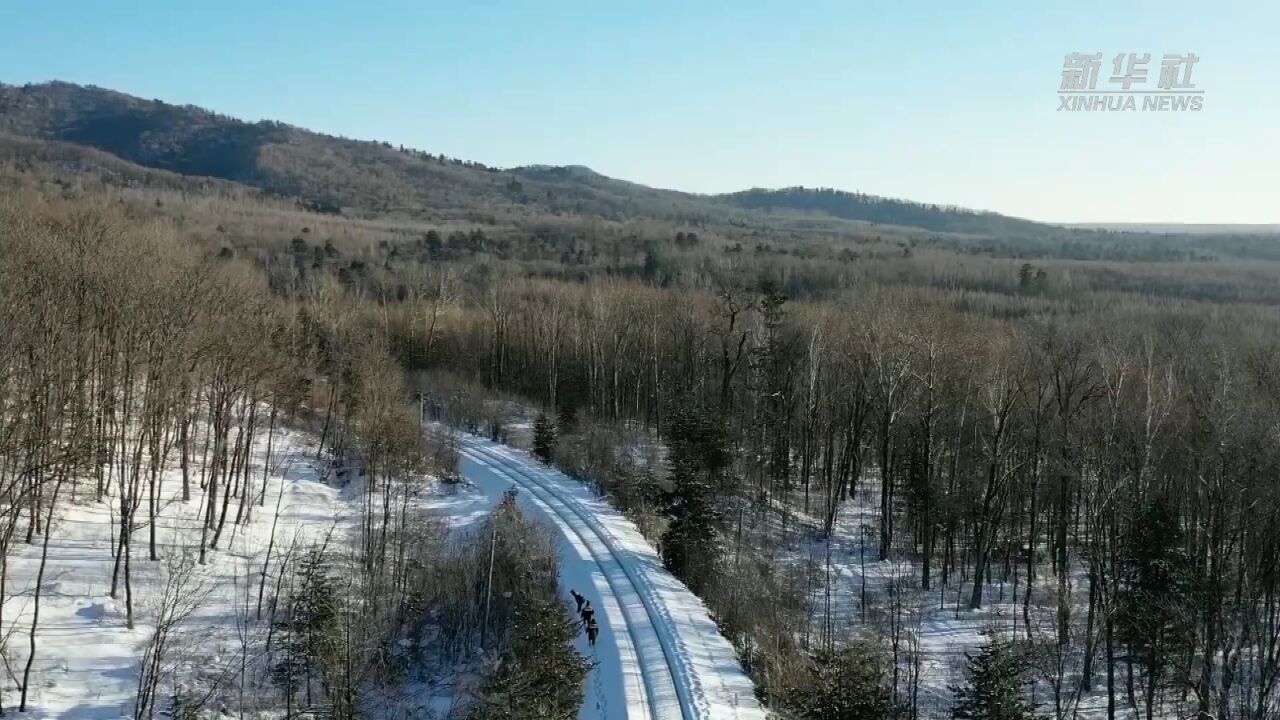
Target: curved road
{"type": "Point", "coordinates": [659, 656]}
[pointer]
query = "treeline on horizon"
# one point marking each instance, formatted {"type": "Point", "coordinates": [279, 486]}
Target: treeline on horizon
{"type": "Point", "coordinates": [371, 178]}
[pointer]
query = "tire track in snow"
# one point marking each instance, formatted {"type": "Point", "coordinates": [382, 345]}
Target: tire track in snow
{"type": "Point", "coordinates": [556, 508]}
{"type": "Point", "coordinates": [677, 675]}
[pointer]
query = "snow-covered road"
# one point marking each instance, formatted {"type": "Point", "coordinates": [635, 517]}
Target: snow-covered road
{"type": "Point", "coordinates": [659, 655]}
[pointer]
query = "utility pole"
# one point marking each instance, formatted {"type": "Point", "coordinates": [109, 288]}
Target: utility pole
{"type": "Point", "coordinates": [488, 591]}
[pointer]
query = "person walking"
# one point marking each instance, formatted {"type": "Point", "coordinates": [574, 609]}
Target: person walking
{"type": "Point", "coordinates": [588, 613]}
{"type": "Point", "coordinates": [593, 632]}
{"type": "Point", "coordinates": [577, 597]}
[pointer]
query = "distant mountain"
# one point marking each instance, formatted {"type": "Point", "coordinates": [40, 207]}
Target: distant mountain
{"type": "Point", "coordinates": [182, 139]}
{"type": "Point", "coordinates": [889, 211]}
{"type": "Point", "coordinates": [1186, 228]}
{"type": "Point", "coordinates": [328, 173]}
{"type": "Point", "coordinates": [114, 138]}
{"type": "Point", "coordinates": [87, 163]}
{"type": "Point", "coordinates": [338, 174]}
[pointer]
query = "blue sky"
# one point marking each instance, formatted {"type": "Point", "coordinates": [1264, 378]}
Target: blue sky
{"type": "Point", "coordinates": [948, 102]}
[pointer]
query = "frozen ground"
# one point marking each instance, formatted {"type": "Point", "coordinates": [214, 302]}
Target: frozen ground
{"type": "Point", "coordinates": [87, 660]}
{"type": "Point", "coordinates": [861, 593]}
{"type": "Point", "coordinates": [659, 655]}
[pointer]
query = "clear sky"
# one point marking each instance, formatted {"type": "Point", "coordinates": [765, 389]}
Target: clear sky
{"type": "Point", "coordinates": [945, 101]}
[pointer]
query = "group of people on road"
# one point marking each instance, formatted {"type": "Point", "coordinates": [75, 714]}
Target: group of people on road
{"type": "Point", "coordinates": [588, 615]}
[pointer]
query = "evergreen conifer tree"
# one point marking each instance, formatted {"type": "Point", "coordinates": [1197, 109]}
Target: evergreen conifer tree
{"type": "Point", "coordinates": [996, 688]}
{"type": "Point", "coordinates": [544, 437]}
{"type": "Point", "coordinates": [539, 676]}
{"type": "Point", "coordinates": [850, 684]}
{"type": "Point", "coordinates": [697, 458]}
{"type": "Point", "coordinates": [310, 630]}
{"type": "Point", "coordinates": [566, 417]}
{"type": "Point", "coordinates": [1155, 593]}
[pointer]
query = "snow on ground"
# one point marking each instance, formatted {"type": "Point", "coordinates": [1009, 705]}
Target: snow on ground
{"type": "Point", "coordinates": [659, 654]}
{"type": "Point", "coordinates": [857, 587]}
{"type": "Point", "coordinates": [87, 660]}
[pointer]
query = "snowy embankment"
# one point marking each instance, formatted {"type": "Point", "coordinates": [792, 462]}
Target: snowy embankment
{"type": "Point", "coordinates": [659, 654]}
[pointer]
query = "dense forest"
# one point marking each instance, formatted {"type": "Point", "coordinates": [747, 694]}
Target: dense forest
{"type": "Point", "coordinates": [1069, 437]}
{"type": "Point", "coordinates": [140, 374]}
{"type": "Point", "coordinates": [1111, 471]}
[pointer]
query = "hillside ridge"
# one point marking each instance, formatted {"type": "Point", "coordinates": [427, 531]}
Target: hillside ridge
{"type": "Point", "coordinates": [332, 173]}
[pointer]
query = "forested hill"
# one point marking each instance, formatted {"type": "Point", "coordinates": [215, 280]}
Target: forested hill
{"type": "Point", "coordinates": [888, 211]}
{"type": "Point", "coordinates": [332, 173]}
{"type": "Point", "coordinates": [71, 133]}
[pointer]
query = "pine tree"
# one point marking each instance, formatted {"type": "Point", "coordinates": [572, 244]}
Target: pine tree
{"type": "Point", "coordinates": [1152, 617]}
{"type": "Point", "coordinates": [996, 688]}
{"type": "Point", "coordinates": [544, 437]}
{"type": "Point", "coordinates": [567, 417]}
{"type": "Point", "coordinates": [697, 458]}
{"type": "Point", "coordinates": [539, 676]}
{"type": "Point", "coordinates": [309, 630]}
{"type": "Point", "coordinates": [770, 380]}
{"type": "Point", "coordinates": [1025, 275]}
{"type": "Point", "coordinates": [847, 685]}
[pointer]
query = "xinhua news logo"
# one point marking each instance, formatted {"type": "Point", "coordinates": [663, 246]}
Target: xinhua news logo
{"type": "Point", "coordinates": [1128, 89]}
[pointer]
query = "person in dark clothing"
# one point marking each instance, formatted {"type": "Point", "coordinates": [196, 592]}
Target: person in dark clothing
{"type": "Point", "coordinates": [593, 632]}
{"type": "Point", "coordinates": [578, 599]}
{"type": "Point", "coordinates": [588, 613]}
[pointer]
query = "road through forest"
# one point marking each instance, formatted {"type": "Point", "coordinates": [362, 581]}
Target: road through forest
{"type": "Point", "coordinates": [659, 655]}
